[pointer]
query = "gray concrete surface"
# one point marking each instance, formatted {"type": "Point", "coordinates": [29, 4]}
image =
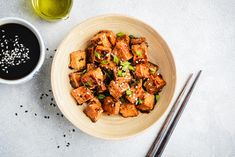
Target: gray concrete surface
{"type": "Point", "coordinates": [201, 35]}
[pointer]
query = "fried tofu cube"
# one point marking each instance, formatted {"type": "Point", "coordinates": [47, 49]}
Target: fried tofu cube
{"type": "Point", "coordinates": [110, 35]}
{"type": "Point", "coordinates": [90, 50]}
{"type": "Point", "coordinates": [122, 76]}
{"type": "Point", "coordinates": [75, 79]}
{"type": "Point", "coordinates": [154, 84]}
{"type": "Point", "coordinates": [135, 92]}
{"type": "Point", "coordinates": [137, 41]}
{"type": "Point", "coordinates": [147, 102]}
{"type": "Point", "coordinates": [93, 110]}
{"type": "Point", "coordinates": [93, 78]}
{"type": "Point", "coordinates": [140, 53]}
{"type": "Point", "coordinates": [122, 50]}
{"type": "Point", "coordinates": [124, 38]}
{"type": "Point", "coordinates": [82, 94]}
{"type": "Point", "coordinates": [78, 60]}
{"type": "Point", "coordinates": [117, 88]}
{"type": "Point", "coordinates": [101, 39]}
{"type": "Point", "coordinates": [111, 106]}
{"type": "Point", "coordinates": [142, 71]}
{"type": "Point", "coordinates": [128, 110]}
{"type": "Point", "coordinates": [102, 54]}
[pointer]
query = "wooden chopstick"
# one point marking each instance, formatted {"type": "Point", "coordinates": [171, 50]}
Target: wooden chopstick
{"type": "Point", "coordinates": [169, 124]}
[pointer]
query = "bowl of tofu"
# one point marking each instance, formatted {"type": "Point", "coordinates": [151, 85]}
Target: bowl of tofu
{"type": "Point", "coordinates": [113, 76]}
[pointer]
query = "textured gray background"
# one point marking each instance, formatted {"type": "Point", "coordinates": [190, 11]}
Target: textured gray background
{"type": "Point", "coordinates": [201, 35]}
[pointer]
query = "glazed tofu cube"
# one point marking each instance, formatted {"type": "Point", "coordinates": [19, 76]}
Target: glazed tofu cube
{"type": "Point", "coordinates": [78, 60]}
{"type": "Point", "coordinates": [75, 79]}
{"type": "Point", "coordinates": [122, 50]}
{"type": "Point", "coordinates": [137, 41]}
{"type": "Point", "coordinates": [140, 53]}
{"type": "Point", "coordinates": [93, 110]}
{"type": "Point", "coordinates": [110, 35]}
{"type": "Point", "coordinates": [122, 76]}
{"type": "Point", "coordinates": [82, 94]}
{"type": "Point", "coordinates": [101, 39]}
{"type": "Point", "coordinates": [128, 110]}
{"type": "Point", "coordinates": [102, 54]}
{"type": "Point", "coordinates": [116, 88]}
{"type": "Point", "coordinates": [154, 84]}
{"type": "Point", "coordinates": [111, 106]}
{"type": "Point", "coordinates": [93, 78]}
{"type": "Point", "coordinates": [147, 102]}
{"type": "Point", "coordinates": [90, 51]}
{"type": "Point", "coordinates": [124, 38]}
{"type": "Point", "coordinates": [134, 92]}
{"type": "Point", "coordinates": [142, 71]}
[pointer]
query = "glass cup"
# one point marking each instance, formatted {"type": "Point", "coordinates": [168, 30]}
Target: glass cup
{"type": "Point", "coordinates": [52, 10]}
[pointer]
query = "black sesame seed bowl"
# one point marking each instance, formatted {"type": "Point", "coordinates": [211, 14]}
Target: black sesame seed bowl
{"type": "Point", "coordinates": [22, 50]}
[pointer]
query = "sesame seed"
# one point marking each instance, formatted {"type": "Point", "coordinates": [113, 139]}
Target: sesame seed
{"type": "Point", "coordinates": [26, 111]}
{"type": "Point", "coordinates": [16, 114]}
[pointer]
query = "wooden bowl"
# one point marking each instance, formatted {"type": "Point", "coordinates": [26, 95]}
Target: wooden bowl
{"type": "Point", "coordinates": [111, 127]}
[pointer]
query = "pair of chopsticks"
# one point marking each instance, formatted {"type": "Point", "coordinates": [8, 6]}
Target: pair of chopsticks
{"type": "Point", "coordinates": [171, 120]}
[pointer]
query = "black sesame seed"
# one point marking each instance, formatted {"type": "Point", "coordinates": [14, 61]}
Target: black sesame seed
{"type": "Point", "coordinates": [16, 114]}
{"type": "Point", "coordinates": [54, 105]}
{"type": "Point", "coordinates": [51, 57]}
{"type": "Point", "coordinates": [50, 90]}
{"type": "Point", "coordinates": [73, 130]}
{"type": "Point", "coordinates": [40, 97]}
{"type": "Point", "coordinates": [26, 111]}
{"type": "Point", "coordinates": [21, 105]}
{"type": "Point", "coordinates": [62, 115]}
{"type": "Point", "coordinates": [55, 50]}
{"type": "Point", "coordinates": [57, 114]}
{"type": "Point", "coordinates": [48, 117]}
{"type": "Point", "coordinates": [52, 99]}
{"type": "Point", "coordinates": [64, 135]}
{"type": "Point", "coordinates": [46, 94]}
{"type": "Point", "coordinates": [58, 146]}
{"type": "Point", "coordinates": [45, 117]}
{"type": "Point", "coordinates": [35, 114]}
{"type": "Point", "coordinates": [51, 103]}
{"type": "Point", "coordinates": [47, 49]}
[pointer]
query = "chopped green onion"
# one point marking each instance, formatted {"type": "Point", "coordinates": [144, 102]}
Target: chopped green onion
{"type": "Point", "coordinates": [116, 59]}
{"type": "Point", "coordinates": [97, 54]}
{"type": "Point", "coordinates": [131, 68]}
{"type": "Point", "coordinates": [139, 101]}
{"type": "Point", "coordinates": [89, 84]}
{"type": "Point", "coordinates": [138, 53]}
{"type": "Point", "coordinates": [125, 65]}
{"type": "Point", "coordinates": [157, 96]}
{"type": "Point", "coordinates": [120, 34]}
{"type": "Point", "coordinates": [131, 36]}
{"type": "Point", "coordinates": [128, 92]}
{"type": "Point", "coordinates": [101, 96]}
{"type": "Point", "coordinates": [120, 73]}
{"type": "Point", "coordinates": [153, 70]}
{"type": "Point", "coordinates": [104, 62]}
